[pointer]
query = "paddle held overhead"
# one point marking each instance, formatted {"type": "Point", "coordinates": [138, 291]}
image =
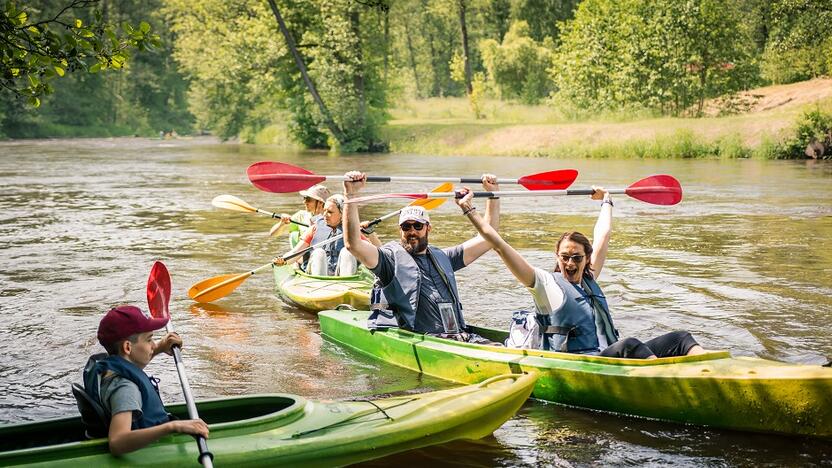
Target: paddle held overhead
{"type": "Point", "coordinates": [657, 190]}
{"type": "Point", "coordinates": [278, 177]}
{"type": "Point", "coordinates": [211, 289]}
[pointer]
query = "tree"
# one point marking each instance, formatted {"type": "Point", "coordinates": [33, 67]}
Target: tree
{"type": "Point", "coordinates": [35, 51]}
{"type": "Point", "coordinates": [290, 43]}
{"type": "Point", "coordinates": [799, 46]}
{"type": "Point", "coordinates": [322, 78]}
{"type": "Point", "coordinates": [663, 55]}
{"type": "Point", "coordinates": [518, 68]}
{"type": "Point", "coordinates": [462, 6]}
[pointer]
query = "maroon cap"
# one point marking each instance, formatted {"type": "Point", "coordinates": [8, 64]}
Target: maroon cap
{"type": "Point", "coordinates": [126, 320]}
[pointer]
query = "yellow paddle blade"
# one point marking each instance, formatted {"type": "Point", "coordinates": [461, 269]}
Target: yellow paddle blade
{"type": "Point", "coordinates": [230, 202]}
{"type": "Point", "coordinates": [279, 229]}
{"type": "Point", "coordinates": [431, 203]}
{"type": "Point", "coordinates": [217, 287]}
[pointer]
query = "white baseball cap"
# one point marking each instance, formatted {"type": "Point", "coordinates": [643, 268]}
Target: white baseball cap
{"type": "Point", "coordinates": [414, 213]}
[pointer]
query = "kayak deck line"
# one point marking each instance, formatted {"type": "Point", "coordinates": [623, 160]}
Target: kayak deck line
{"type": "Point", "coordinates": [712, 389]}
{"type": "Point", "coordinates": [287, 430]}
{"type": "Point", "coordinates": [316, 293]}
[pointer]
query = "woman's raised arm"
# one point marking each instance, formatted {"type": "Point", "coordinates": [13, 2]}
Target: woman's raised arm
{"type": "Point", "coordinates": [515, 262]}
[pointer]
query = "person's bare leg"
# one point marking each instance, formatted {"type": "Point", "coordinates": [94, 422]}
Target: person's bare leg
{"type": "Point", "coordinates": [696, 349]}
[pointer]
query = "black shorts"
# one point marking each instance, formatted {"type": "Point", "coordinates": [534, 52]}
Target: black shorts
{"type": "Point", "coordinates": [676, 343]}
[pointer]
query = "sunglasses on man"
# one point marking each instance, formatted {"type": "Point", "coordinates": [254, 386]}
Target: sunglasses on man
{"type": "Point", "coordinates": [408, 226]}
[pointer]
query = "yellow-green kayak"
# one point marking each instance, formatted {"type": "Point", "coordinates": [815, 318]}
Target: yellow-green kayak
{"type": "Point", "coordinates": [287, 430]}
{"type": "Point", "coordinates": [712, 389]}
{"type": "Point", "coordinates": [316, 293]}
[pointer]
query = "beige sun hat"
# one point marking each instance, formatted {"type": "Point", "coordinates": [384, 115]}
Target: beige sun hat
{"type": "Point", "coordinates": [318, 192]}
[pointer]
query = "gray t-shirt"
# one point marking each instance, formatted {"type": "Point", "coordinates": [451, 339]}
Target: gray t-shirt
{"type": "Point", "coordinates": [432, 291]}
{"type": "Point", "coordinates": [119, 395]}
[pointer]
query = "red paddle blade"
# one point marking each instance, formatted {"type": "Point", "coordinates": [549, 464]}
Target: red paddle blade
{"type": "Point", "coordinates": [657, 189]}
{"type": "Point", "coordinates": [552, 180]}
{"type": "Point", "coordinates": [158, 291]}
{"type": "Point", "coordinates": [278, 177]}
{"type": "Point", "coordinates": [383, 196]}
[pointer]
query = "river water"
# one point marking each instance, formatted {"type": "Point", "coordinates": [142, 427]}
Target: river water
{"type": "Point", "coordinates": [744, 263]}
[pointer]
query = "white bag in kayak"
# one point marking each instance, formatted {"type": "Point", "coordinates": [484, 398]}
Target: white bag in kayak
{"type": "Point", "coordinates": [524, 331]}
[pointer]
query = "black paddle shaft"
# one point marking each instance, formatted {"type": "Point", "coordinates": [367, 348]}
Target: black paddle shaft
{"type": "Point", "coordinates": [205, 457]}
{"type": "Point", "coordinates": [459, 194]}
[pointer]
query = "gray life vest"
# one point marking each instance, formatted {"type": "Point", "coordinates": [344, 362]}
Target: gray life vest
{"type": "Point", "coordinates": [572, 328]}
{"type": "Point", "coordinates": [324, 232]}
{"type": "Point", "coordinates": [401, 295]}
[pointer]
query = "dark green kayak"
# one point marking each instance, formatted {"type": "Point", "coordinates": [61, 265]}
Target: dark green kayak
{"type": "Point", "coordinates": [287, 430]}
{"type": "Point", "coordinates": [712, 389]}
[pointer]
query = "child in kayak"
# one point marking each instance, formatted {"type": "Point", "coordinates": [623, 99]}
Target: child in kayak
{"type": "Point", "coordinates": [571, 309]}
{"type": "Point", "coordinates": [118, 383]}
{"type": "Point", "coordinates": [331, 259]}
{"type": "Point", "coordinates": [313, 201]}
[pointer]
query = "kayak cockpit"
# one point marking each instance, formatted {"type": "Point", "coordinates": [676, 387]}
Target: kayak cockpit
{"type": "Point", "coordinates": [222, 413]}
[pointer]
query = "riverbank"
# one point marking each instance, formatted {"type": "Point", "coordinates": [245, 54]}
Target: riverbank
{"type": "Point", "coordinates": [764, 125]}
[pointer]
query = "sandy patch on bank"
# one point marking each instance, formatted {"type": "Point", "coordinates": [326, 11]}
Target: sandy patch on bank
{"type": "Point", "coordinates": [771, 111]}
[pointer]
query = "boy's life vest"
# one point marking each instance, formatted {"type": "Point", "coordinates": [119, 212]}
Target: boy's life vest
{"type": "Point", "coordinates": [153, 410]}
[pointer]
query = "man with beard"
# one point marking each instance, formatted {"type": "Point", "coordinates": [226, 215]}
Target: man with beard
{"type": "Point", "coordinates": [416, 280]}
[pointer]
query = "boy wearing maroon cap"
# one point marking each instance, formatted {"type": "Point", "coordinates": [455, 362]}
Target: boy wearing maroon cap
{"type": "Point", "coordinates": [118, 383]}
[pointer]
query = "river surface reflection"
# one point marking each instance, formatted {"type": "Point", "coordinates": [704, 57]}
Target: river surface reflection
{"type": "Point", "coordinates": [744, 263]}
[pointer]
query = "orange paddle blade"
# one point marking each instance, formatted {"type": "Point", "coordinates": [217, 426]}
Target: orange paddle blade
{"type": "Point", "coordinates": [431, 203]}
{"type": "Point", "coordinates": [211, 289]}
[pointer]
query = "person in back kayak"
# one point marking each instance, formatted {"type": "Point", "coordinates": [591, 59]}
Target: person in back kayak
{"type": "Point", "coordinates": [314, 199]}
{"type": "Point", "coordinates": [416, 280]}
{"type": "Point", "coordinates": [331, 259]}
{"type": "Point", "coordinates": [571, 308]}
{"type": "Point", "coordinates": [118, 384]}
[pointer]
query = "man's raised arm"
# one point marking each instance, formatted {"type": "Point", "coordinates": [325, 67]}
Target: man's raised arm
{"type": "Point", "coordinates": [363, 251]}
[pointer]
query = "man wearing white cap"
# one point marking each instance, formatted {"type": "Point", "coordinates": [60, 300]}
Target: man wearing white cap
{"type": "Point", "coordinates": [416, 280]}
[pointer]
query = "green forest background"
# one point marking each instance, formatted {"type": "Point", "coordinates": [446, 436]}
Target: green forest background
{"type": "Point", "coordinates": [225, 68]}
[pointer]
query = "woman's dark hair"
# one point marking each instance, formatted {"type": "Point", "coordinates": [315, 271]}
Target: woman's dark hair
{"type": "Point", "coordinates": [575, 236]}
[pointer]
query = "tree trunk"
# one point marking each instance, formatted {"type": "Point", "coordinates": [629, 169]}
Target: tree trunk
{"type": "Point", "coordinates": [464, 31]}
{"type": "Point", "coordinates": [290, 43]}
{"type": "Point", "coordinates": [412, 58]}
{"type": "Point", "coordinates": [358, 78]}
{"type": "Point", "coordinates": [386, 42]}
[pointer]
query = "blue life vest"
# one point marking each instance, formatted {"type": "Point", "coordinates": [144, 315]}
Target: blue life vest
{"type": "Point", "coordinates": [324, 232]}
{"type": "Point", "coordinates": [572, 328]}
{"type": "Point", "coordinates": [401, 295]}
{"type": "Point", "coordinates": [153, 411]}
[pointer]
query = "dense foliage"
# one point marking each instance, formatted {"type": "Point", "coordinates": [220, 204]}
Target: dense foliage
{"type": "Point", "coordinates": [86, 67]}
{"type": "Point", "coordinates": [228, 68]}
{"type": "Point", "coordinates": [663, 54]}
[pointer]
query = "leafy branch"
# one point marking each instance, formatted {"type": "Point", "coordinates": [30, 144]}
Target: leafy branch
{"type": "Point", "coordinates": [33, 53]}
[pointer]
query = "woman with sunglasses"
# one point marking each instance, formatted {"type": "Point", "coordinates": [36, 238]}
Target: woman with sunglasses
{"type": "Point", "coordinates": [571, 308]}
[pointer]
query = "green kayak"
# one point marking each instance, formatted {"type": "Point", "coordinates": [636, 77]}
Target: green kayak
{"type": "Point", "coordinates": [713, 389]}
{"type": "Point", "coordinates": [316, 293]}
{"type": "Point", "coordinates": [287, 430]}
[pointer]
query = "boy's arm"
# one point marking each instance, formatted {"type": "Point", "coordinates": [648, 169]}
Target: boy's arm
{"type": "Point", "coordinates": [166, 344]}
{"type": "Point", "coordinates": [124, 440]}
